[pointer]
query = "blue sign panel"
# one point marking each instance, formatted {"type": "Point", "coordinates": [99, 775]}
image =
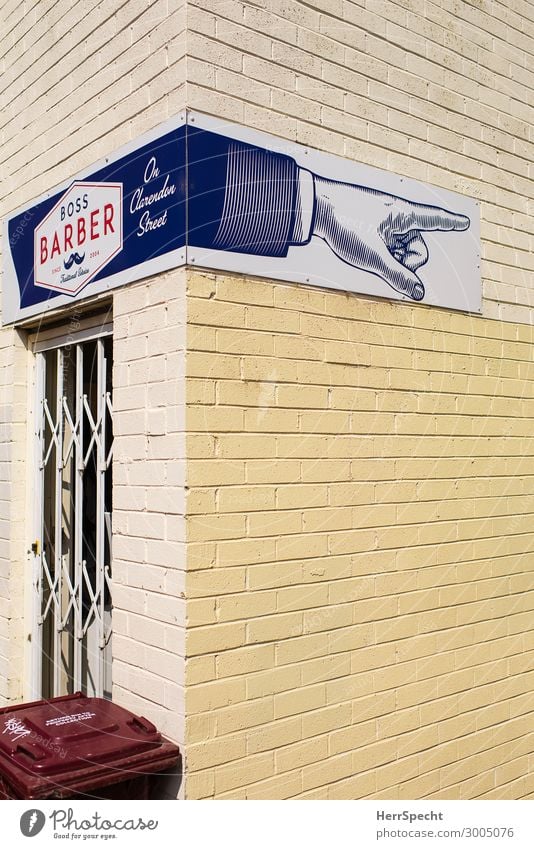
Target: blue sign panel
{"type": "Point", "coordinates": [252, 195]}
{"type": "Point", "coordinates": [122, 221]}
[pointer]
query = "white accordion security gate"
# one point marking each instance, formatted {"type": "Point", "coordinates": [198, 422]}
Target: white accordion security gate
{"type": "Point", "coordinates": [71, 632]}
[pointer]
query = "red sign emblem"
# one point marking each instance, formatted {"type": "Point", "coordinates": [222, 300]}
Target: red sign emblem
{"type": "Point", "coordinates": [78, 237]}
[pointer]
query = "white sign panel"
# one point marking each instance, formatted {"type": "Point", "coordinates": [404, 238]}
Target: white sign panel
{"type": "Point", "coordinates": [285, 211]}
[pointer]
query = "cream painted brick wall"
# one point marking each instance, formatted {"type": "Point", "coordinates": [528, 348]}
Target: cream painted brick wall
{"type": "Point", "coordinates": [78, 81]}
{"type": "Point", "coordinates": [149, 500]}
{"type": "Point", "coordinates": [440, 92]}
{"type": "Point", "coordinates": [360, 547]}
{"type": "Point", "coordinates": [13, 542]}
{"type": "Point", "coordinates": [91, 77]}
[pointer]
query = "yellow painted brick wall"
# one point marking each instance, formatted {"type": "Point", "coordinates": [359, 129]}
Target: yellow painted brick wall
{"type": "Point", "coordinates": [360, 547]}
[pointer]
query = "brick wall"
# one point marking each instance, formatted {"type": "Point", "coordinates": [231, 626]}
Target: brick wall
{"type": "Point", "coordinates": [436, 91]}
{"type": "Point", "coordinates": [360, 473]}
{"type": "Point", "coordinates": [149, 500]}
{"type": "Point", "coordinates": [78, 80]}
{"type": "Point", "coordinates": [13, 540]}
{"type": "Point", "coordinates": [360, 587]}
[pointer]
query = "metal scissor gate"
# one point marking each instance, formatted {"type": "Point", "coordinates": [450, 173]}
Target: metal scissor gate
{"type": "Point", "coordinates": [72, 551]}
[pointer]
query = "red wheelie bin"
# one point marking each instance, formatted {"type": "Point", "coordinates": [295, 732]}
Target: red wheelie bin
{"type": "Point", "coordinates": [74, 747]}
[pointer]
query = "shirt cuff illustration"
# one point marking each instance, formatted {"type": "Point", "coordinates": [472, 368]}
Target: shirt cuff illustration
{"type": "Point", "coordinates": [260, 202]}
{"type": "Point", "coordinates": [305, 207]}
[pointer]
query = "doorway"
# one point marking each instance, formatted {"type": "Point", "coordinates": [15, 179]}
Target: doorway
{"type": "Point", "coordinates": [71, 629]}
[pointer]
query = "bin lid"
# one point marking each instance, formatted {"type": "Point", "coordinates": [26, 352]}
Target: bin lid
{"type": "Point", "coordinates": [73, 741]}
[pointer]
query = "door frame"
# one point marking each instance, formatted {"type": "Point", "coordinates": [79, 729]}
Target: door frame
{"type": "Point", "coordinates": [70, 332]}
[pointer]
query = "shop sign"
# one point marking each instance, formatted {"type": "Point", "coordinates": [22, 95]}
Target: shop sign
{"type": "Point", "coordinates": [220, 196]}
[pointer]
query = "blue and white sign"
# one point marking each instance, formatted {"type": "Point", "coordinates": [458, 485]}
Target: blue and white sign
{"type": "Point", "coordinates": [293, 213]}
{"type": "Point", "coordinates": [212, 194]}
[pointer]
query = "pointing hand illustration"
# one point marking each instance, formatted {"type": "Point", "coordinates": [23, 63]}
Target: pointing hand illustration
{"type": "Point", "coordinates": [266, 204]}
{"type": "Point", "coordinates": [379, 233]}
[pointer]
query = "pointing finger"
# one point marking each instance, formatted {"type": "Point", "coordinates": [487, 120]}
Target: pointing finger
{"type": "Point", "coordinates": [421, 217]}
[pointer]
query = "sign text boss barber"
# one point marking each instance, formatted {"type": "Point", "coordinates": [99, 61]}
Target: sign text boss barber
{"type": "Point", "coordinates": [80, 235]}
{"type": "Point", "coordinates": [79, 231]}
